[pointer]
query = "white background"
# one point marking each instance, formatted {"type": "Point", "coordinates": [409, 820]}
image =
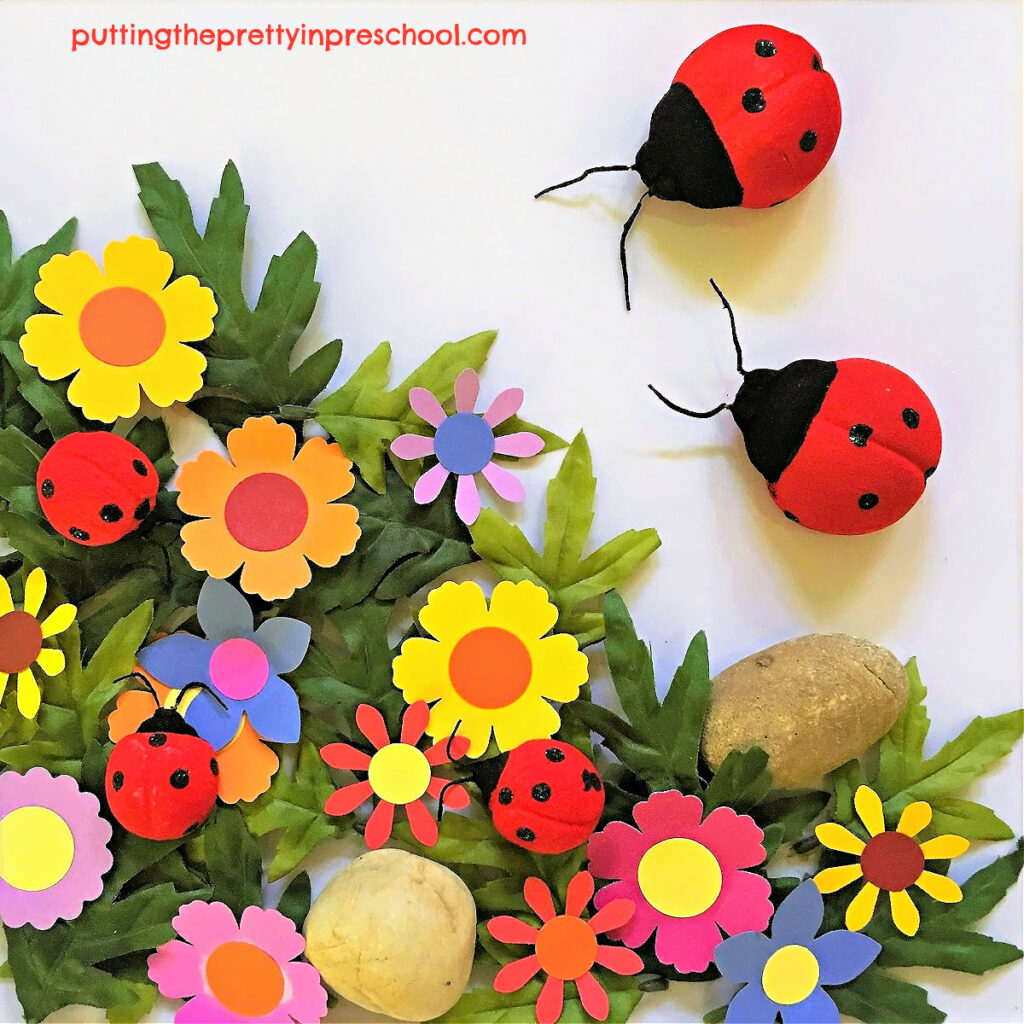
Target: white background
{"type": "Point", "coordinates": [413, 170]}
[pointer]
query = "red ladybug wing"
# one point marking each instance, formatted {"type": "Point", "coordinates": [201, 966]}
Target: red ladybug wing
{"type": "Point", "coordinates": [781, 140]}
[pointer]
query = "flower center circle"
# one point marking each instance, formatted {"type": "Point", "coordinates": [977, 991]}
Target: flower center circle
{"type": "Point", "coordinates": [122, 326]}
{"type": "Point", "coordinates": [566, 947]}
{"type": "Point", "coordinates": [790, 975]}
{"type": "Point", "coordinates": [399, 773]}
{"type": "Point", "coordinates": [490, 668]}
{"type": "Point", "coordinates": [36, 848]}
{"type": "Point", "coordinates": [21, 640]}
{"type": "Point", "coordinates": [239, 668]}
{"type": "Point", "coordinates": [266, 512]}
{"type": "Point", "coordinates": [892, 861]}
{"type": "Point", "coordinates": [464, 443]}
{"type": "Point", "coordinates": [245, 979]}
{"type": "Point", "coordinates": [679, 877]}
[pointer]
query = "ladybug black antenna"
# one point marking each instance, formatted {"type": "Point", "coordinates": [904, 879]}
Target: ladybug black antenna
{"type": "Point", "coordinates": [142, 679]}
{"type": "Point", "coordinates": [580, 177]}
{"type": "Point", "coordinates": [690, 412]}
{"type": "Point", "coordinates": [732, 325]}
{"type": "Point", "coordinates": [183, 692]}
{"type": "Point", "coordinates": [448, 747]}
{"type": "Point", "coordinates": [452, 760]}
{"type": "Point", "coordinates": [622, 245]}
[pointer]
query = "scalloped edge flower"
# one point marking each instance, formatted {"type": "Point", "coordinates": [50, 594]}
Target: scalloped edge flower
{"type": "Point", "coordinates": [892, 860]}
{"type": "Point", "coordinates": [464, 444]}
{"type": "Point", "coordinates": [121, 330]}
{"type": "Point", "coordinates": [784, 974]}
{"type": "Point", "coordinates": [399, 774]}
{"type": "Point", "coordinates": [230, 971]}
{"type": "Point", "coordinates": [565, 947]}
{"type": "Point", "coordinates": [68, 835]}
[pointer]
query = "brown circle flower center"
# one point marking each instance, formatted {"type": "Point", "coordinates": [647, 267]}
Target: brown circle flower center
{"type": "Point", "coordinates": [266, 512]}
{"type": "Point", "coordinates": [892, 861]}
{"type": "Point", "coordinates": [122, 326]}
{"type": "Point", "coordinates": [490, 668]}
{"type": "Point", "coordinates": [21, 640]}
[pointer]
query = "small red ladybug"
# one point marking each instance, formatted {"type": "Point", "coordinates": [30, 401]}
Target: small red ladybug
{"type": "Point", "coordinates": [95, 487]}
{"type": "Point", "coordinates": [548, 798]}
{"type": "Point", "coordinates": [846, 446]}
{"type": "Point", "coordinates": [162, 780]}
{"type": "Point", "coordinates": [750, 120]}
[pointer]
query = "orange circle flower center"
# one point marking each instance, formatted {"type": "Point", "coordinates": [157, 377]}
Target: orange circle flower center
{"type": "Point", "coordinates": [122, 326]}
{"type": "Point", "coordinates": [490, 668]}
{"type": "Point", "coordinates": [21, 640]}
{"type": "Point", "coordinates": [266, 512]}
{"type": "Point", "coordinates": [245, 979]}
{"type": "Point", "coordinates": [566, 947]}
{"type": "Point", "coordinates": [892, 861]}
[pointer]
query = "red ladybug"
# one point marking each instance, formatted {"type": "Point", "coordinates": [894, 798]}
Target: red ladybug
{"type": "Point", "coordinates": [549, 797]}
{"type": "Point", "coordinates": [95, 487]}
{"type": "Point", "coordinates": [162, 780]}
{"type": "Point", "coordinates": [750, 119]}
{"type": "Point", "coordinates": [846, 446]}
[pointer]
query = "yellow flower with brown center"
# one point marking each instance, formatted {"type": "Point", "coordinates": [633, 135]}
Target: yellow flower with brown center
{"type": "Point", "coordinates": [119, 330]}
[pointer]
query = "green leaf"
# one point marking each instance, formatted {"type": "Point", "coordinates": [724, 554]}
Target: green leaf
{"type": "Point", "coordinates": [877, 997]}
{"type": "Point", "coordinates": [950, 947]}
{"type": "Point", "coordinates": [968, 819]}
{"type": "Point", "coordinates": [295, 900]}
{"type": "Point", "coordinates": [234, 862]}
{"type": "Point", "coordinates": [982, 891]}
{"type": "Point", "coordinates": [902, 749]}
{"type": "Point", "coordinates": [741, 782]}
{"type": "Point", "coordinates": [631, 666]}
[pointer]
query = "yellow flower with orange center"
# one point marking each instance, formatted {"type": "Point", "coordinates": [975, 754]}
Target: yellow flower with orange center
{"type": "Point", "coordinates": [121, 329]}
{"type": "Point", "coordinates": [267, 508]}
{"type": "Point", "coordinates": [892, 861]}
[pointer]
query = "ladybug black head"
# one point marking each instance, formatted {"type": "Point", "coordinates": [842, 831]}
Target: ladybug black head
{"type": "Point", "coordinates": [167, 720]}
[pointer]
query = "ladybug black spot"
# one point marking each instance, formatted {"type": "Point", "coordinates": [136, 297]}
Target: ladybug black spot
{"type": "Point", "coordinates": [912, 418]}
{"type": "Point", "coordinates": [816, 63]}
{"type": "Point", "coordinates": [591, 780]}
{"type": "Point", "coordinates": [859, 434]}
{"type": "Point", "coordinates": [867, 501]}
{"type": "Point", "coordinates": [541, 792]}
{"type": "Point", "coordinates": [117, 781]}
{"type": "Point", "coordinates": [142, 509]}
{"type": "Point", "coordinates": [78, 534]}
{"type": "Point", "coordinates": [157, 739]}
{"type": "Point", "coordinates": [46, 488]}
{"type": "Point", "coordinates": [140, 467]}
{"type": "Point", "coordinates": [753, 101]}
{"type": "Point", "coordinates": [789, 515]}
{"type": "Point", "coordinates": [179, 778]}
{"type": "Point", "coordinates": [808, 141]}
{"type": "Point", "coordinates": [526, 834]}
{"type": "Point", "coordinates": [928, 472]}
{"type": "Point", "coordinates": [505, 796]}
{"type": "Point", "coordinates": [111, 513]}
{"type": "Point", "coordinates": [554, 755]}
{"type": "Point", "coordinates": [214, 767]}
{"type": "Point", "coordinates": [764, 48]}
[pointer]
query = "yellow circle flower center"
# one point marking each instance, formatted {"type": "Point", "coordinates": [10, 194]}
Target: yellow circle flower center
{"type": "Point", "coordinates": [245, 979]}
{"type": "Point", "coordinates": [122, 326]}
{"type": "Point", "coordinates": [399, 773]}
{"type": "Point", "coordinates": [679, 877]}
{"type": "Point", "coordinates": [36, 848]}
{"type": "Point", "coordinates": [790, 975]}
{"type": "Point", "coordinates": [21, 640]}
{"type": "Point", "coordinates": [490, 668]}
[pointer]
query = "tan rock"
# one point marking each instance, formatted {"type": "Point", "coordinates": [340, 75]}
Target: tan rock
{"type": "Point", "coordinates": [812, 703]}
{"type": "Point", "coordinates": [394, 933]}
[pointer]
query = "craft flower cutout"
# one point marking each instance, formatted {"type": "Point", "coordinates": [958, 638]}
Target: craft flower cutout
{"type": "Point", "coordinates": [22, 636]}
{"type": "Point", "coordinates": [566, 947]}
{"type": "Point", "coordinates": [399, 775]}
{"type": "Point", "coordinates": [465, 444]}
{"type": "Point", "coordinates": [889, 860]}
{"type": "Point", "coordinates": [491, 668]}
{"type": "Point", "coordinates": [784, 974]}
{"type": "Point", "coordinates": [53, 849]}
{"type": "Point", "coordinates": [267, 508]}
{"type": "Point", "coordinates": [684, 876]}
{"type": "Point", "coordinates": [120, 330]}
{"type": "Point", "coordinates": [237, 971]}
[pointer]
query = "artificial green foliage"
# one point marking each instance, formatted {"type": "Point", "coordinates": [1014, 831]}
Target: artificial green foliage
{"type": "Point", "coordinates": [295, 900]}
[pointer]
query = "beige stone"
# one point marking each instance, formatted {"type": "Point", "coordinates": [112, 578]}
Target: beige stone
{"type": "Point", "coordinates": [811, 703]}
{"type": "Point", "coordinates": [394, 933]}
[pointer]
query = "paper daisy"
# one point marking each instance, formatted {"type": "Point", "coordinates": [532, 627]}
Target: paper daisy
{"type": "Point", "coordinates": [267, 508]}
{"type": "Point", "coordinates": [120, 330]}
{"type": "Point", "coordinates": [684, 876]}
{"type": "Point", "coordinates": [784, 974]}
{"type": "Point", "coordinates": [893, 861]}
{"type": "Point", "coordinates": [22, 636]}
{"type": "Point", "coordinates": [237, 972]}
{"type": "Point", "coordinates": [566, 947]}
{"type": "Point", "coordinates": [53, 849]}
{"type": "Point", "coordinates": [465, 444]}
{"type": "Point", "coordinates": [398, 775]}
{"type": "Point", "coordinates": [491, 668]}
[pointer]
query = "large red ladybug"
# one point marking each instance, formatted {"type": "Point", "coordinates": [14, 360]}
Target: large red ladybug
{"type": "Point", "coordinates": [548, 798]}
{"type": "Point", "coordinates": [162, 780]}
{"type": "Point", "coordinates": [846, 446]}
{"type": "Point", "coordinates": [750, 119]}
{"type": "Point", "coordinates": [95, 487]}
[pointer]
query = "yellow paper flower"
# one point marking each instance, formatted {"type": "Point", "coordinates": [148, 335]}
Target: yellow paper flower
{"type": "Point", "coordinates": [22, 636]}
{"type": "Point", "coordinates": [119, 329]}
{"type": "Point", "coordinates": [491, 668]}
{"type": "Point", "coordinates": [893, 861]}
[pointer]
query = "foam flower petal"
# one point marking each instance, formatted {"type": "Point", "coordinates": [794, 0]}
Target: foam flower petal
{"type": "Point", "coordinates": [426, 406]}
{"type": "Point", "coordinates": [348, 798]}
{"type": "Point", "coordinates": [372, 725]}
{"type": "Point", "coordinates": [274, 711]}
{"type": "Point", "coordinates": [505, 405]}
{"type": "Point", "coordinates": [515, 975]}
{"type": "Point", "coordinates": [412, 446]}
{"type": "Point", "coordinates": [58, 620]}
{"type": "Point", "coordinates": [799, 916]}
{"type": "Point", "coordinates": [538, 897]}
{"type": "Point", "coordinates": [944, 847]}
{"type": "Point", "coordinates": [592, 996]}
{"type": "Point", "coordinates": [619, 960]}
{"type": "Point", "coordinates": [506, 485]}
{"type": "Point", "coordinates": [612, 915]}
{"type": "Point", "coordinates": [428, 487]}
{"type": "Point", "coordinates": [422, 823]}
{"type": "Point", "coordinates": [842, 956]}
{"type": "Point", "coordinates": [838, 837]}
{"type": "Point", "coordinates": [833, 879]}
{"type": "Point", "coordinates": [522, 444]}
{"type": "Point", "coordinates": [345, 756]}
{"type": "Point", "coordinates": [869, 810]}
{"type": "Point", "coordinates": [550, 1001]}
{"type": "Point", "coordinates": [285, 641]}
{"type": "Point", "coordinates": [223, 612]}
{"type": "Point", "coordinates": [751, 1006]}
{"type": "Point", "coordinates": [467, 388]}
{"type": "Point", "coordinates": [915, 817]}
{"type": "Point", "coordinates": [742, 957]}
{"type": "Point", "coordinates": [513, 932]}
{"type": "Point", "coordinates": [578, 894]}
{"type": "Point", "coordinates": [379, 825]}
{"type": "Point", "coordinates": [467, 500]}
{"type": "Point", "coordinates": [940, 887]}
{"type": "Point", "coordinates": [862, 907]}
{"type": "Point", "coordinates": [817, 1008]}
